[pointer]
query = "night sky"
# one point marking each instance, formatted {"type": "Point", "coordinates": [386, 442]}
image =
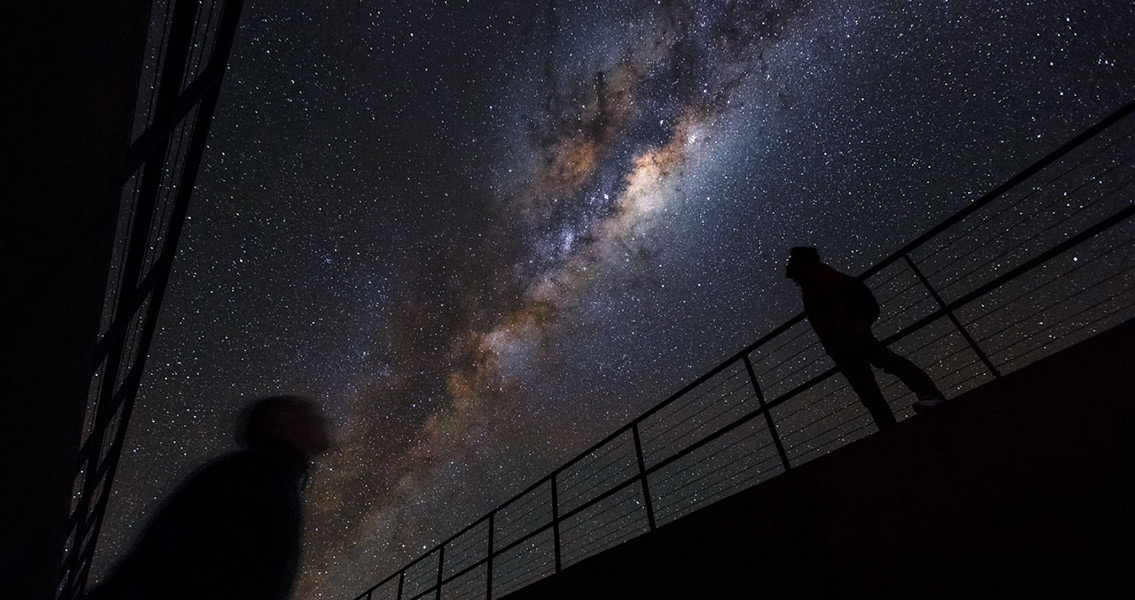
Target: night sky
{"type": "Point", "coordinates": [486, 234]}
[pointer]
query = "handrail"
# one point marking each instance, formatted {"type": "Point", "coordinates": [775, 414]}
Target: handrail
{"type": "Point", "coordinates": [944, 308]}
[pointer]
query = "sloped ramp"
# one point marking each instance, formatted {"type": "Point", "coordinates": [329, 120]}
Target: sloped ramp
{"type": "Point", "coordinates": [1023, 487]}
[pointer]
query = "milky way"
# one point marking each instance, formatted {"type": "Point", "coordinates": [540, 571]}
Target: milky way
{"type": "Point", "coordinates": [487, 234]}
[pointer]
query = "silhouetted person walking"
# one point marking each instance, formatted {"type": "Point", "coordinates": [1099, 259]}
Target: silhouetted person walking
{"type": "Point", "coordinates": [232, 530]}
{"type": "Point", "coordinates": [841, 309]}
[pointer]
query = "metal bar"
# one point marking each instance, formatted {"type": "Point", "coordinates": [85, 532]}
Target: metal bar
{"type": "Point", "coordinates": [721, 367]}
{"type": "Point", "coordinates": [642, 475]}
{"type": "Point", "coordinates": [633, 479]}
{"type": "Point", "coordinates": [229, 20]}
{"type": "Point", "coordinates": [953, 319]}
{"type": "Point", "coordinates": [155, 136]}
{"type": "Point", "coordinates": [465, 571]}
{"type": "Point", "coordinates": [1041, 258]}
{"type": "Point", "coordinates": [556, 522]}
{"type": "Point", "coordinates": [202, 91]}
{"type": "Point", "coordinates": [422, 557]}
{"type": "Point", "coordinates": [133, 377]}
{"type": "Point", "coordinates": [768, 415]}
{"type": "Point", "coordinates": [117, 329]}
{"type": "Point", "coordinates": [489, 567]}
{"type": "Point", "coordinates": [180, 36]}
{"type": "Point", "coordinates": [1011, 183]}
{"type": "Point", "coordinates": [525, 538]}
{"type": "Point", "coordinates": [160, 271]}
{"type": "Point", "coordinates": [709, 438]}
{"type": "Point", "coordinates": [440, 572]}
{"type": "Point", "coordinates": [601, 497]}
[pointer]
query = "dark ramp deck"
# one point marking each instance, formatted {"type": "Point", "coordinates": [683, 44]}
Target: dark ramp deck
{"type": "Point", "coordinates": [1024, 487]}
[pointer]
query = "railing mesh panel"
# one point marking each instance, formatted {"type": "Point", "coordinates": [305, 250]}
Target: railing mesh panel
{"type": "Point", "coordinates": [597, 472]}
{"type": "Point", "coordinates": [701, 411]}
{"type": "Point", "coordinates": [737, 460]}
{"type": "Point", "coordinates": [530, 561]}
{"type": "Point", "coordinates": [467, 549]}
{"type": "Point", "coordinates": [466, 587]}
{"type": "Point", "coordinates": [609, 522]}
{"type": "Point", "coordinates": [523, 515]}
{"type": "Point", "coordinates": [421, 576]}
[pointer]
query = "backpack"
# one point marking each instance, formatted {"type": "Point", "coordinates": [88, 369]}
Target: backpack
{"type": "Point", "coordinates": [861, 300]}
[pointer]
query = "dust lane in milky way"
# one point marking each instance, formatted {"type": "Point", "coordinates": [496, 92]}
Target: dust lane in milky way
{"type": "Point", "coordinates": [610, 160]}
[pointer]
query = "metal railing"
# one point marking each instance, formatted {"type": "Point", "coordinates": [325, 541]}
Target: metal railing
{"type": "Point", "coordinates": [187, 52]}
{"type": "Point", "coordinates": [1041, 262]}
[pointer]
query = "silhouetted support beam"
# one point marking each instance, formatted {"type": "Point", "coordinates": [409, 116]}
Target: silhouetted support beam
{"type": "Point", "coordinates": [953, 318]}
{"type": "Point", "coordinates": [173, 105]}
{"type": "Point", "coordinates": [489, 561]}
{"type": "Point", "coordinates": [556, 524]}
{"type": "Point", "coordinates": [440, 571]}
{"type": "Point", "coordinates": [647, 500]}
{"type": "Point", "coordinates": [78, 562]}
{"type": "Point", "coordinates": [71, 73]}
{"type": "Point", "coordinates": [768, 415]}
{"type": "Point", "coordinates": [1011, 183]}
{"type": "Point", "coordinates": [1021, 488]}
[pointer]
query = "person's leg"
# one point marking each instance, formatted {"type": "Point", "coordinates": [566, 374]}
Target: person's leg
{"type": "Point", "coordinates": [908, 373]}
{"type": "Point", "coordinates": [862, 380]}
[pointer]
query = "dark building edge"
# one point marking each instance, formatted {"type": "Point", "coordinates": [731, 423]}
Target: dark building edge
{"type": "Point", "coordinates": [72, 73]}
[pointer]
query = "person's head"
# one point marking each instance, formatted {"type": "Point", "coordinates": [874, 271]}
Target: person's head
{"type": "Point", "coordinates": [801, 260]}
{"type": "Point", "coordinates": [294, 421]}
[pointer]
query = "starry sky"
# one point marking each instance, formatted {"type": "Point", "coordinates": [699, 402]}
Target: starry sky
{"type": "Point", "coordinates": [484, 234]}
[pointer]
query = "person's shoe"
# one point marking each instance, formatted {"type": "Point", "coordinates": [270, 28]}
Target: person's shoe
{"type": "Point", "coordinates": [927, 402]}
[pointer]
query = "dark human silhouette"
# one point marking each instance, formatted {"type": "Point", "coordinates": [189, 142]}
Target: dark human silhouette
{"type": "Point", "coordinates": [233, 529]}
{"type": "Point", "coordinates": [841, 309]}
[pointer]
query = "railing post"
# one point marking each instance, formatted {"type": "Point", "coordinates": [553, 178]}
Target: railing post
{"type": "Point", "coordinates": [401, 581]}
{"type": "Point", "coordinates": [440, 569]}
{"type": "Point", "coordinates": [767, 413]}
{"type": "Point", "coordinates": [950, 314]}
{"type": "Point", "coordinates": [489, 569]}
{"type": "Point", "coordinates": [556, 522]}
{"type": "Point", "coordinates": [642, 476]}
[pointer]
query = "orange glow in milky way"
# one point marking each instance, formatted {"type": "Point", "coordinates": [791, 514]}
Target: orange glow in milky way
{"type": "Point", "coordinates": [481, 396]}
{"type": "Point", "coordinates": [482, 399]}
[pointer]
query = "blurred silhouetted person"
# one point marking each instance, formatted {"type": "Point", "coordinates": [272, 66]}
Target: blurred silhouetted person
{"type": "Point", "coordinates": [841, 310]}
{"type": "Point", "coordinates": [232, 530]}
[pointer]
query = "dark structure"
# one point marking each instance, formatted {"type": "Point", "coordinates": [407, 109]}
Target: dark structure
{"type": "Point", "coordinates": [112, 108]}
{"type": "Point", "coordinates": [1022, 488]}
